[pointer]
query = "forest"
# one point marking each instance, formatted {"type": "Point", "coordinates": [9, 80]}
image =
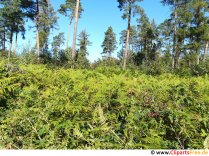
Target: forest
{"type": "Point", "coordinates": [153, 95]}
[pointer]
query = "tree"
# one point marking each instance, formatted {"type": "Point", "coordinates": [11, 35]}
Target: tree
{"type": "Point", "coordinates": [2, 35]}
{"type": "Point", "coordinates": [68, 9]}
{"type": "Point", "coordinates": [133, 38]}
{"type": "Point", "coordinates": [109, 43]}
{"type": "Point", "coordinates": [75, 32]}
{"type": "Point", "coordinates": [129, 7]}
{"type": "Point", "coordinates": [178, 17]}
{"type": "Point", "coordinates": [199, 27]}
{"type": "Point", "coordinates": [166, 30]}
{"type": "Point", "coordinates": [205, 55]}
{"type": "Point", "coordinates": [45, 19]}
{"type": "Point", "coordinates": [148, 37]}
{"type": "Point", "coordinates": [12, 16]}
{"type": "Point", "coordinates": [57, 42]}
{"type": "Point", "coordinates": [84, 42]}
{"type": "Point", "coordinates": [134, 44]}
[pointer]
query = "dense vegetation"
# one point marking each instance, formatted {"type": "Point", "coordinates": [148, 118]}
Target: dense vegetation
{"type": "Point", "coordinates": [154, 95]}
{"type": "Point", "coordinates": [105, 108]}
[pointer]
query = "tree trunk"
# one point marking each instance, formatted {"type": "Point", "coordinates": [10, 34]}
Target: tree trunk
{"type": "Point", "coordinates": [127, 39]}
{"type": "Point", "coordinates": [37, 32]}
{"type": "Point", "coordinates": [38, 45]}
{"type": "Point", "coordinates": [198, 59]}
{"type": "Point", "coordinates": [189, 63]}
{"type": "Point", "coordinates": [174, 37]}
{"type": "Point", "coordinates": [198, 56]}
{"type": "Point", "coordinates": [145, 49]}
{"type": "Point", "coordinates": [173, 62]}
{"type": "Point", "coordinates": [68, 35]}
{"type": "Point", "coordinates": [205, 52]}
{"type": "Point", "coordinates": [15, 47]}
{"type": "Point", "coordinates": [4, 43]}
{"type": "Point", "coordinates": [109, 59]}
{"type": "Point", "coordinates": [75, 32]}
{"type": "Point", "coordinates": [10, 46]}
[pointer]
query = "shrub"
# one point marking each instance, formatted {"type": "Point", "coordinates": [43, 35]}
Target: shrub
{"type": "Point", "coordinates": [43, 108]}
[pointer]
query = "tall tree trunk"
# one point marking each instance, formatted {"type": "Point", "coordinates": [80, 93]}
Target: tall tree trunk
{"type": "Point", "coordinates": [15, 46]}
{"type": "Point", "coordinates": [4, 42]}
{"type": "Point", "coordinates": [177, 54]}
{"type": "Point", "coordinates": [38, 45]}
{"type": "Point", "coordinates": [75, 32]}
{"type": "Point", "coordinates": [10, 46]}
{"type": "Point", "coordinates": [37, 32]}
{"type": "Point", "coordinates": [174, 37]}
{"type": "Point", "coordinates": [145, 49]}
{"type": "Point", "coordinates": [68, 33]}
{"type": "Point", "coordinates": [198, 59]}
{"type": "Point", "coordinates": [198, 56]}
{"type": "Point", "coordinates": [173, 62]}
{"type": "Point", "coordinates": [127, 38]}
{"type": "Point", "coordinates": [205, 51]}
{"type": "Point", "coordinates": [189, 63]}
{"type": "Point", "coordinates": [109, 59]}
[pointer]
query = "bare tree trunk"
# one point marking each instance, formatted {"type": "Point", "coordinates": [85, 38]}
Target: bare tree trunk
{"type": "Point", "coordinates": [174, 65]}
{"type": "Point", "coordinates": [4, 43]}
{"type": "Point", "coordinates": [68, 35]}
{"type": "Point", "coordinates": [15, 46]}
{"type": "Point", "coordinates": [109, 59]}
{"type": "Point", "coordinates": [198, 56]}
{"type": "Point", "coordinates": [178, 61]}
{"type": "Point", "coordinates": [205, 52]}
{"type": "Point", "coordinates": [173, 62]}
{"type": "Point", "coordinates": [125, 56]}
{"type": "Point", "coordinates": [38, 45]}
{"type": "Point", "coordinates": [10, 46]}
{"type": "Point", "coordinates": [75, 32]}
{"type": "Point", "coordinates": [37, 32]}
{"type": "Point", "coordinates": [198, 59]}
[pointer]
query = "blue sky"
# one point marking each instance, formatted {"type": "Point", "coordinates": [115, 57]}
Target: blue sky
{"type": "Point", "coordinates": [98, 15]}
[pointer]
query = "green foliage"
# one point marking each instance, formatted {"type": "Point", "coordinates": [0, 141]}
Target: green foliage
{"type": "Point", "coordinates": [81, 60]}
{"type": "Point", "coordinates": [206, 143]}
{"type": "Point", "coordinates": [109, 43]}
{"type": "Point", "coordinates": [68, 8]}
{"type": "Point", "coordinates": [154, 68]}
{"type": "Point", "coordinates": [201, 69]}
{"type": "Point", "coordinates": [57, 42]}
{"type": "Point", "coordinates": [107, 108]}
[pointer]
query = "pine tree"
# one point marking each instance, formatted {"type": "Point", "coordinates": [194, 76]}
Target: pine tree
{"type": "Point", "coordinates": [199, 27]}
{"type": "Point", "coordinates": [177, 6]}
{"type": "Point", "coordinates": [166, 30]}
{"type": "Point", "coordinates": [45, 19]}
{"type": "Point", "coordinates": [134, 44]}
{"type": "Point", "coordinates": [2, 35]}
{"type": "Point", "coordinates": [12, 16]}
{"type": "Point", "coordinates": [133, 39]}
{"type": "Point", "coordinates": [109, 43]}
{"type": "Point", "coordinates": [58, 41]}
{"type": "Point", "coordinates": [129, 7]}
{"type": "Point", "coordinates": [82, 61]}
{"type": "Point", "coordinates": [68, 9]}
{"type": "Point", "coordinates": [75, 32]}
{"type": "Point", "coordinates": [148, 38]}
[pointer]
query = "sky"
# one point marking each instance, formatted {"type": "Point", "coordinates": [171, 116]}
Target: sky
{"type": "Point", "coordinates": [98, 15]}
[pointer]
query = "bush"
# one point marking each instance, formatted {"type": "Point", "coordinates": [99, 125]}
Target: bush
{"type": "Point", "coordinates": [43, 108]}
